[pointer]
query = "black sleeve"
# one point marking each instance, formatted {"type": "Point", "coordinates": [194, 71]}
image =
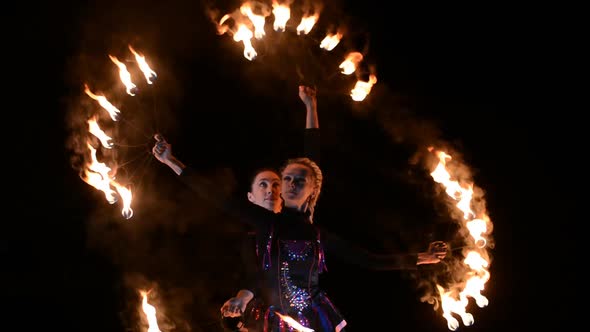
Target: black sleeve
{"type": "Point", "coordinates": [343, 250]}
{"type": "Point", "coordinates": [311, 144]}
{"type": "Point", "coordinates": [249, 277]}
{"type": "Point", "coordinates": [217, 190]}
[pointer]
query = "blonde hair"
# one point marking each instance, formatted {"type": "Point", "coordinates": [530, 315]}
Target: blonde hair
{"type": "Point", "coordinates": [318, 178]}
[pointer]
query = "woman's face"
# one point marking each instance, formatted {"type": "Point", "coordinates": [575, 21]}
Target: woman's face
{"type": "Point", "coordinates": [264, 191]}
{"type": "Point", "coordinates": [297, 185]}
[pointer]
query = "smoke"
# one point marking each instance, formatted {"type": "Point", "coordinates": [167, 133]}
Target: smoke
{"type": "Point", "coordinates": [172, 305]}
{"type": "Point", "coordinates": [171, 244]}
{"type": "Point", "coordinates": [166, 245]}
{"type": "Point", "coordinates": [422, 138]}
{"type": "Point", "coordinates": [175, 244]}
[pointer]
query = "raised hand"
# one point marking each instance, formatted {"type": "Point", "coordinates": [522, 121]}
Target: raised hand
{"type": "Point", "coordinates": [307, 95]}
{"type": "Point", "coordinates": [162, 150]}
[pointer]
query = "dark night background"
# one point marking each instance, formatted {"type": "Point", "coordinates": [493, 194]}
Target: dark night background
{"type": "Point", "coordinates": [467, 78]}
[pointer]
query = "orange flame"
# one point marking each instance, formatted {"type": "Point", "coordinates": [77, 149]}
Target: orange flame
{"type": "Point", "coordinates": [124, 75]}
{"type": "Point", "coordinates": [221, 28]}
{"type": "Point", "coordinates": [330, 41]}
{"type": "Point", "coordinates": [241, 34]}
{"type": "Point", "coordinates": [256, 19]}
{"type": "Point", "coordinates": [245, 35]}
{"type": "Point", "coordinates": [147, 71]}
{"type": "Point", "coordinates": [95, 130]}
{"type": "Point", "coordinates": [293, 323]}
{"type": "Point", "coordinates": [307, 23]}
{"type": "Point", "coordinates": [362, 89]}
{"type": "Point", "coordinates": [97, 175]}
{"type": "Point", "coordinates": [150, 313]}
{"type": "Point", "coordinates": [351, 62]}
{"type": "Point", "coordinates": [282, 14]}
{"type": "Point", "coordinates": [125, 194]}
{"type": "Point", "coordinates": [477, 223]}
{"type": "Point", "coordinates": [102, 101]}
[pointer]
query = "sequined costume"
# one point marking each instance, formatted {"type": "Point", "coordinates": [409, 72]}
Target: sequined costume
{"type": "Point", "coordinates": [290, 255]}
{"type": "Point", "coordinates": [293, 256]}
{"type": "Point", "coordinates": [291, 259]}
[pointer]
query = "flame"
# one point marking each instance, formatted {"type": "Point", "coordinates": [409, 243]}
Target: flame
{"type": "Point", "coordinates": [257, 20]}
{"type": "Point", "coordinates": [294, 324]}
{"type": "Point", "coordinates": [330, 41]}
{"type": "Point", "coordinates": [245, 35]}
{"type": "Point", "coordinates": [221, 28]}
{"type": "Point", "coordinates": [95, 130]}
{"type": "Point", "coordinates": [97, 175]}
{"type": "Point", "coordinates": [143, 66]}
{"type": "Point", "coordinates": [241, 34]}
{"type": "Point", "coordinates": [307, 23]}
{"type": "Point", "coordinates": [99, 182]}
{"type": "Point", "coordinates": [282, 13]}
{"type": "Point", "coordinates": [476, 228]}
{"type": "Point", "coordinates": [351, 62]}
{"type": "Point", "coordinates": [150, 313]}
{"type": "Point", "coordinates": [102, 101]}
{"type": "Point", "coordinates": [125, 194]}
{"type": "Point", "coordinates": [451, 305]}
{"type": "Point", "coordinates": [362, 89]}
{"type": "Point", "coordinates": [124, 75]}
{"type": "Point", "coordinates": [453, 188]}
{"type": "Point", "coordinates": [456, 298]}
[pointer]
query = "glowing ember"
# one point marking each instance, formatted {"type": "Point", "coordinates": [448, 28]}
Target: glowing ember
{"type": "Point", "coordinates": [99, 182]}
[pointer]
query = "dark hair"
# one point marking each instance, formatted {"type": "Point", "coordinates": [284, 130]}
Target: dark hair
{"type": "Point", "coordinates": [257, 171]}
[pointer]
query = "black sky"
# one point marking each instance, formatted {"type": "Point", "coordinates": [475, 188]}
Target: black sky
{"type": "Point", "coordinates": [462, 76]}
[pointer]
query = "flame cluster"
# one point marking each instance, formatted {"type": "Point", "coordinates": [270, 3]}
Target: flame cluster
{"type": "Point", "coordinates": [96, 173]}
{"type": "Point", "coordinates": [473, 270]}
{"type": "Point", "coordinates": [248, 22]}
